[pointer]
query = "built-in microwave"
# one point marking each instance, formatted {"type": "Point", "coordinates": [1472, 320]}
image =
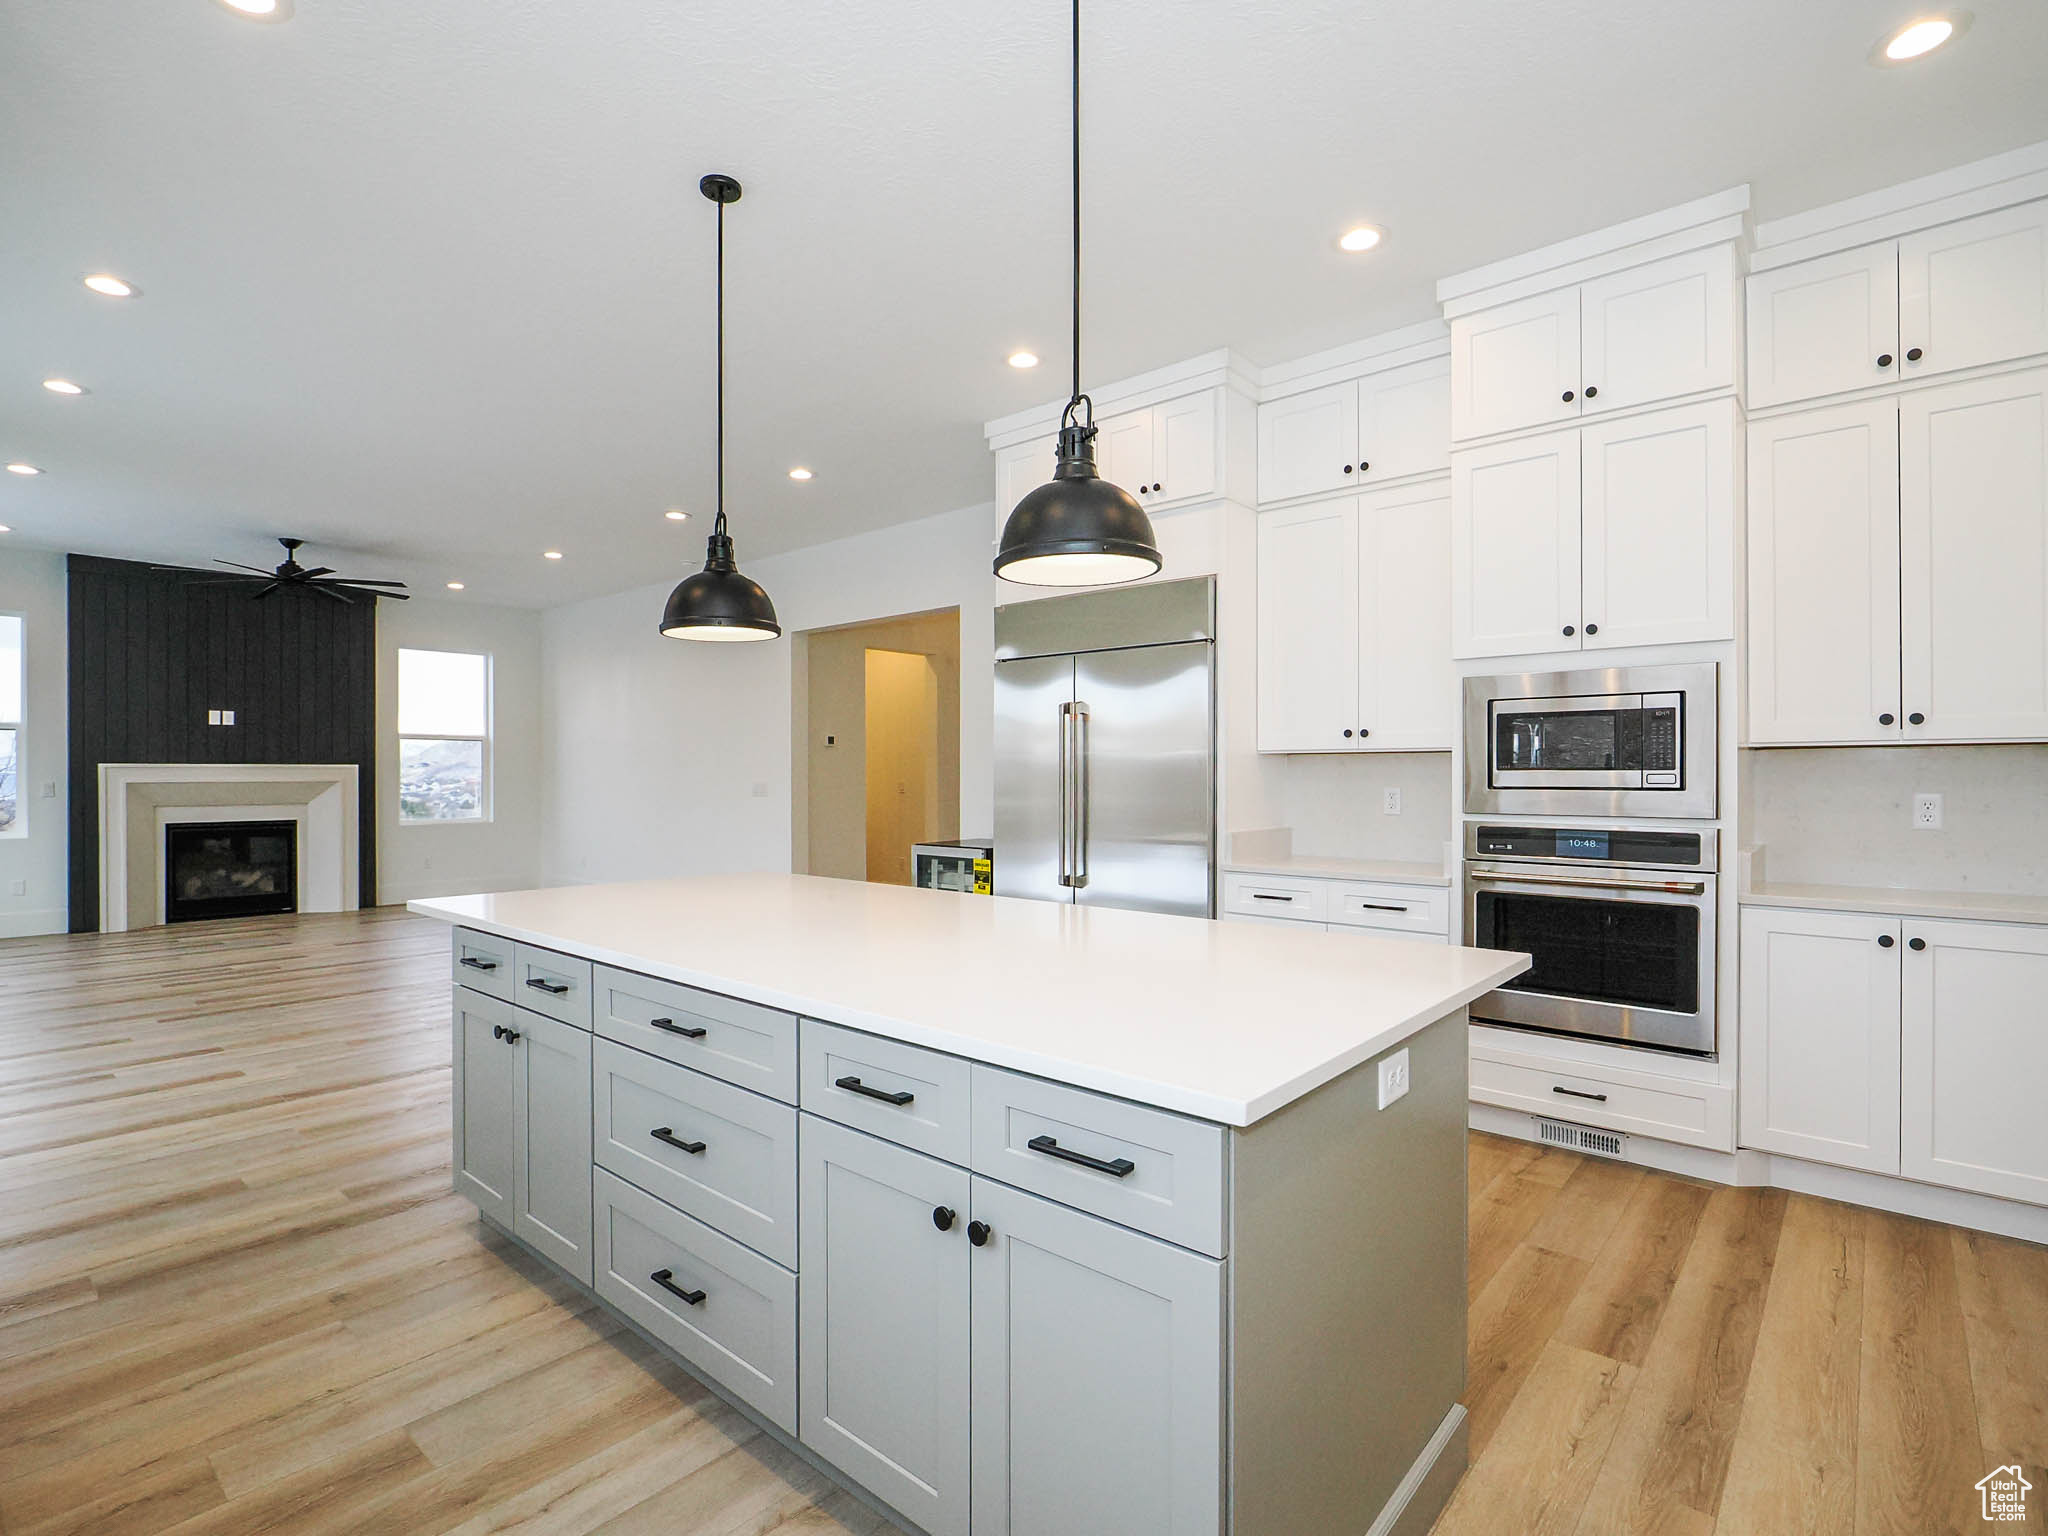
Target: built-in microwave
{"type": "Point", "coordinates": [1621, 741]}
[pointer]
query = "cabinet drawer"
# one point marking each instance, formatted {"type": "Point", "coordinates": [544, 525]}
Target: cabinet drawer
{"type": "Point", "coordinates": [1699, 1114]}
{"type": "Point", "coordinates": [740, 1332]}
{"type": "Point", "coordinates": [556, 985]}
{"type": "Point", "coordinates": [741, 1042]}
{"type": "Point", "coordinates": [1276, 896]}
{"type": "Point", "coordinates": [1396, 908]}
{"type": "Point", "coordinates": [483, 963]}
{"type": "Point", "coordinates": [1158, 1172]}
{"type": "Point", "coordinates": [932, 1088]}
{"type": "Point", "coordinates": [741, 1177]}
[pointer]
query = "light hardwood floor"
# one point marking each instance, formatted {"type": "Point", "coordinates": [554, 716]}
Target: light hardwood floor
{"type": "Point", "coordinates": [237, 1296]}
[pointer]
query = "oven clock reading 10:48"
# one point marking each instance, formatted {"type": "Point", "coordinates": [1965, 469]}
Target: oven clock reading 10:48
{"type": "Point", "coordinates": [1582, 845]}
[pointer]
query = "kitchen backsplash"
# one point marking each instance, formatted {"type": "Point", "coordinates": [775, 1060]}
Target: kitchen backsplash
{"type": "Point", "coordinates": [1334, 804]}
{"type": "Point", "coordinates": [1842, 816]}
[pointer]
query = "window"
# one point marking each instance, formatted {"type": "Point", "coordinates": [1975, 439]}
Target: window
{"type": "Point", "coordinates": [11, 679]}
{"type": "Point", "coordinates": [444, 736]}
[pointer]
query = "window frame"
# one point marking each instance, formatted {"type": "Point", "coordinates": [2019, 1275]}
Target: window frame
{"type": "Point", "coordinates": [19, 726]}
{"type": "Point", "coordinates": [486, 806]}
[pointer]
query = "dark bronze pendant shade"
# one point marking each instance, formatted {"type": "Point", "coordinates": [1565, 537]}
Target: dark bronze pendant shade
{"type": "Point", "coordinates": [718, 603]}
{"type": "Point", "coordinates": [1077, 530]}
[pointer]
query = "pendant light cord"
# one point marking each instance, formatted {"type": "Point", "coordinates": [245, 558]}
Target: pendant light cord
{"type": "Point", "coordinates": [1077, 198]}
{"type": "Point", "coordinates": [718, 527]}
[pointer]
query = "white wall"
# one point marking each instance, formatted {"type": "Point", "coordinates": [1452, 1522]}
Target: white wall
{"type": "Point", "coordinates": [1332, 801]}
{"type": "Point", "coordinates": [503, 853]}
{"type": "Point", "coordinates": [33, 584]}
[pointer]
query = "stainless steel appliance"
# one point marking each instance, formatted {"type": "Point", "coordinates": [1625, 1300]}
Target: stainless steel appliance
{"type": "Point", "coordinates": [1105, 748]}
{"type": "Point", "coordinates": [1620, 920]}
{"type": "Point", "coordinates": [965, 867]}
{"type": "Point", "coordinates": [1622, 741]}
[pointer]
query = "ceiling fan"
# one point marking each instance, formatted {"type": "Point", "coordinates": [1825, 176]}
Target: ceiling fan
{"type": "Point", "coordinates": [291, 574]}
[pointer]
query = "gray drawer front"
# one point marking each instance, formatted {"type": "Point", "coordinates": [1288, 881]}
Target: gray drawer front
{"type": "Point", "coordinates": [1173, 1189]}
{"type": "Point", "coordinates": [553, 984]}
{"type": "Point", "coordinates": [741, 1335]}
{"type": "Point", "coordinates": [483, 963]}
{"type": "Point", "coordinates": [743, 1181]}
{"type": "Point", "coordinates": [933, 1120]}
{"type": "Point", "coordinates": [741, 1042]}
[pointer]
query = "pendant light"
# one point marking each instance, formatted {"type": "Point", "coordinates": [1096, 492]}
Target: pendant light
{"type": "Point", "coordinates": [718, 603]}
{"type": "Point", "coordinates": [1077, 530]}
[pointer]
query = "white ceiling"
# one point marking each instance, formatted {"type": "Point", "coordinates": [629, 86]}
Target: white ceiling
{"type": "Point", "coordinates": [430, 284]}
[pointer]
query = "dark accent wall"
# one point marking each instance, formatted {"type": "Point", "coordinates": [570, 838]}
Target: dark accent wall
{"type": "Point", "coordinates": [151, 654]}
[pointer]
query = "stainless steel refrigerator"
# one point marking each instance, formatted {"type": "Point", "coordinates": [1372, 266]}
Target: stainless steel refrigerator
{"type": "Point", "coordinates": [1105, 747]}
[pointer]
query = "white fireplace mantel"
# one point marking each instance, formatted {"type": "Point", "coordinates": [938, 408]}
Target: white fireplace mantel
{"type": "Point", "coordinates": [139, 800]}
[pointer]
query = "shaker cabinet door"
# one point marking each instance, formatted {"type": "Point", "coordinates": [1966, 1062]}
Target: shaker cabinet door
{"type": "Point", "coordinates": [1184, 448]}
{"type": "Point", "coordinates": [1123, 452]}
{"type": "Point", "coordinates": [1308, 628]}
{"type": "Point", "coordinates": [1407, 685]}
{"type": "Point", "coordinates": [1308, 443]}
{"type": "Point", "coordinates": [551, 1110]}
{"type": "Point", "coordinates": [1975, 291]}
{"type": "Point", "coordinates": [1515, 547]}
{"type": "Point", "coordinates": [1515, 365]}
{"type": "Point", "coordinates": [1404, 422]}
{"type": "Point", "coordinates": [1660, 331]}
{"type": "Point", "coordinates": [485, 1134]}
{"type": "Point", "coordinates": [1824, 326]}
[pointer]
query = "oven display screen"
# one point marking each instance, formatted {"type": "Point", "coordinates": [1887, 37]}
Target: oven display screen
{"type": "Point", "coordinates": [1582, 845]}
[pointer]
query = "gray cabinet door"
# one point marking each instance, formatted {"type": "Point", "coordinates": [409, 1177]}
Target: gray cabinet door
{"type": "Point", "coordinates": [551, 1138]}
{"type": "Point", "coordinates": [882, 1320]}
{"type": "Point", "coordinates": [485, 1135]}
{"type": "Point", "coordinates": [1098, 1377]}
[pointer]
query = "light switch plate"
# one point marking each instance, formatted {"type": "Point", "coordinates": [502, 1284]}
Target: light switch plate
{"type": "Point", "coordinates": [1394, 1077]}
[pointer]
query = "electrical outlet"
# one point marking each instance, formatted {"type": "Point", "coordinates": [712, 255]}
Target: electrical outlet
{"type": "Point", "coordinates": [1394, 1077]}
{"type": "Point", "coordinates": [760, 789]}
{"type": "Point", "coordinates": [17, 888]}
{"type": "Point", "coordinates": [49, 789]}
{"type": "Point", "coordinates": [1390, 801]}
{"type": "Point", "coordinates": [1927, 813]}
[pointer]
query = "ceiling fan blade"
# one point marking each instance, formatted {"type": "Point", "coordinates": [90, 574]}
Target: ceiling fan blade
{"type": "Point", "coordinates": [359, 590]}
{"type": "Point", "coordinates": [362, 581]}
{"type": "Point", "coordinates": [254, 570]}
{"type": "Point", "coordinates": [327, 590]}
{"type": "Point", "coordinates": [318, 570]}
{"type": "Point", "coordinates": [274, 586]}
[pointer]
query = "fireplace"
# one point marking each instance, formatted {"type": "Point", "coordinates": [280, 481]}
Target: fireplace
{"type": "Point", "coordinates": [229, 869]}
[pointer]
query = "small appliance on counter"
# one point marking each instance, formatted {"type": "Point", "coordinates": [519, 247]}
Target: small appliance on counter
{"type": "Point", "coordinates": [967, 867]}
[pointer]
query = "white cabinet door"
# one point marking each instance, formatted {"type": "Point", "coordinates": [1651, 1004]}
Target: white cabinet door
{"type": "Point", "coordinates": [1660, 331]}
{"type": "Point", "coordinates": [1123, 451]}
{"type": "Point", "coordinates": [1407, 686]}
{"type": "Point", "coordinates": [1308, 443]}
{"type": "Point", "coordinates": [1976, 1055]}
{"type": "Point", "coordinates": [1308, 628]}
{"type": "Point", "coordinates": [1823, 326]}
{"type": "Point", "coordinates": [882, 1319]}
{"type": "Point", "coordinates": [1515, 547]}
{"type": "Point", "coordinates": [1820, 1036]}
{"type": "Point", "coordinates": [1404, 422]}
{"type": "Point", "coordinates": [551, 1119]}
{"type": "Point", "coordinates": [1098, 1377]}
{"type": "Point", "coordinates": [1184, 448]}
{"type": "Point", "coordinates": [1515, 365]}
{"type": "Point", "coordinates": [1658, 527]}
{"type": "Point", "coordinates": [485, 1135]}
{"type": "Point", "coordinates": [1824, 575]}
{"type": "Point", "coordinates": [1019, 471]}
{"type": "Point", "coordinates": [1973, 501]}
{"type": "Point", "coordinates": [1975, 291]}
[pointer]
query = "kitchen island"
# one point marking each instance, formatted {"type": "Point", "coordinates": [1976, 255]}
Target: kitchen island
{"type": "Point", "coordinates": [1022, 1218]}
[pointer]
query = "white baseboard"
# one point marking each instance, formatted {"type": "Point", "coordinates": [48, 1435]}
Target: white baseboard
{"type": "Point", "coordinates": [33, 923]}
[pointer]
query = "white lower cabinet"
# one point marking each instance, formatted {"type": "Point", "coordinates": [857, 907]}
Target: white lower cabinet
{"type": "Point", "coordinates": [1097, 1376]}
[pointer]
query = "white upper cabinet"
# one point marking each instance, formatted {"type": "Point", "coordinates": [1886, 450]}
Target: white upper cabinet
{"type": "Point", "coordinates": [1407, 687]}
{"type": "Point", "coordinates": [1164, 454]}
{"type": "Point", "coordinates": [1515, 547]}
{"type": "Point", "coordinates": [1974, 292]}
{"type": "Point", "coordinates": [1184, 443]}
{"type": "Point", "coordinates": [1973, 504]}
{"type": "Point", "coordinates": [1308, 443]}
{"type": "Point", "coordinates": [1824, 576]}
{"type": "Point", "coordinates": [1308, 628]}
{"type": "Point", "coordinates": [1124, 451]}
{"type": "Point", "coordinates": [1515, 365]}
{"type": "Point", "coordinates": [1823, 326]}
{"type": "Point", "coordinates": [1391, 425]}
{"type": "Point", "coordinates": [1658, 332]}
{"type": "Point", "coordinates": [1658, 527]}
{"type": "Point", "coordinates": [1020, 471]}
{"type": "Point", "coordinates": [1404, 422]}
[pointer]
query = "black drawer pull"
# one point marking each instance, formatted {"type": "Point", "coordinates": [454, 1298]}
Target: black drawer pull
{"type": "Point", "coordinates": [855, 1085]}
{"type": "Point", "coordinates": [671, 1027]}
{"type": "Point", "coordinates": [1267, 896]}
{"type": "Point", "coordinates": [1119, 1167]}
{"type": "Point", "coordinates": [1575, 1093]}
{"type": "Point", "coordinates": [667, 1134]}
{"type": "Point", "coordinates": [552, 988]}
{"type": "Point", "coordinates": [479, 965]}
{"type": "Point", "coordinates": [665, 1278]}
{"type": "Point", "coordinates": [1380, 906]}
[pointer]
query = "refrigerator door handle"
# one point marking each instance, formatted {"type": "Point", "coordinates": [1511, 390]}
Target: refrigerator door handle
{"type": "Point", "coordinates": [1066, 793]}
{"type": "Point", "coordinates": [1081, 791]}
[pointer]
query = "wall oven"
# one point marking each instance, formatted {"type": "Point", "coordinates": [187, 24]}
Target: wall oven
{"type": "Point", "coordinates": [1619, 920]}
{"type": "Point", "coordinates": [1623, 741]}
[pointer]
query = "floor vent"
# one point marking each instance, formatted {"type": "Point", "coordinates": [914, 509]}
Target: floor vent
{"type": "Point", "coordinates": [1581, 1138]}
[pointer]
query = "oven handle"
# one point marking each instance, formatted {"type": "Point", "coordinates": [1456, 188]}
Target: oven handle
{"type": "Point", "coordinates": [1668, 887]}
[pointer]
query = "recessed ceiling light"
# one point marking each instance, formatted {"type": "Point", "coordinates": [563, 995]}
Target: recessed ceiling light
{"type": "Point", "coordinates": [551, 554]}
{"type": "Point", "coordinates": [676, 515]}
{"type": "Point", "coordinates": [111, 286]}
{"type": "Point", "coordinates": [63, 387]}
{"type": "Point", "coordinates": [1362, 237]}
{"type": "Point", "coordinates": [799, 473]}
{"type": "Point", "coordinates": [260, 10]}
{"type": "Point", "coordinates": [23, 469]}
{"type": "Point", "coordinates": [1023, 359]}
{"type": "Point", "coordinates": [5, 529]}
{"type": "Point", "coordinates": [1919, 38]}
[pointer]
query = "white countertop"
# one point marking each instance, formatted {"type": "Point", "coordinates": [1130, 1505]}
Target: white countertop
{"type": "Point", "coordinates": [1312, 866]}
{"type": "Point", "coordinates": [1971, 906]}
{"type": "Point", "coordinates": [1224, 1021]}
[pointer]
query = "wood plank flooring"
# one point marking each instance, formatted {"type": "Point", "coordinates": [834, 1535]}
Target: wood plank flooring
{"type": "Point", "coordinates": [238, 1296]}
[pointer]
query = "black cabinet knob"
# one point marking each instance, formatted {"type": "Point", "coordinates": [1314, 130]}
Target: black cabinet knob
{"type": "Point", "coordinates": [1884, 359]}
{"type": "Point", "coordinates": [1887, 719]}
{"type": "Point", "coordinates": [1347, 734]}
{"type": "Point", "coordinates": [1363, 733]}
{"type": "Point", "coordinates": [1592, 629]}
{"type": "Point", "coordinates": [1592, 390]}
{"type": "Point", "coordinates": [1912, 354]}
{"type": "Point", "coordinates": [979, 1232]}
{"type": "Point", "coordinates": [511, 1037]}
{"type": "Point", "coordinates": [1916, 944]}
{"type": "Point", "coordinates": [1157, 486]}
{"type": "Point", "coordinates": [1571, 629]}
{"type": "Point", "coordinates": [942, 1217]}
{"type": "Point", "coordinates": [1569, 396]}
{"type": "Point", "coordinates": [1363, 466]}
{"type": "Point", "coordinates": [1884, 941]}
{"type": "Point", "coordinates": [1916, 718]}
{"type": "Point", "coordinates": [1347, 469]}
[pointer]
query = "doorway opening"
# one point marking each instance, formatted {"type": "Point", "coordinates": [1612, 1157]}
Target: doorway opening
{"type": "Point", "coordinates": [877, 723]}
